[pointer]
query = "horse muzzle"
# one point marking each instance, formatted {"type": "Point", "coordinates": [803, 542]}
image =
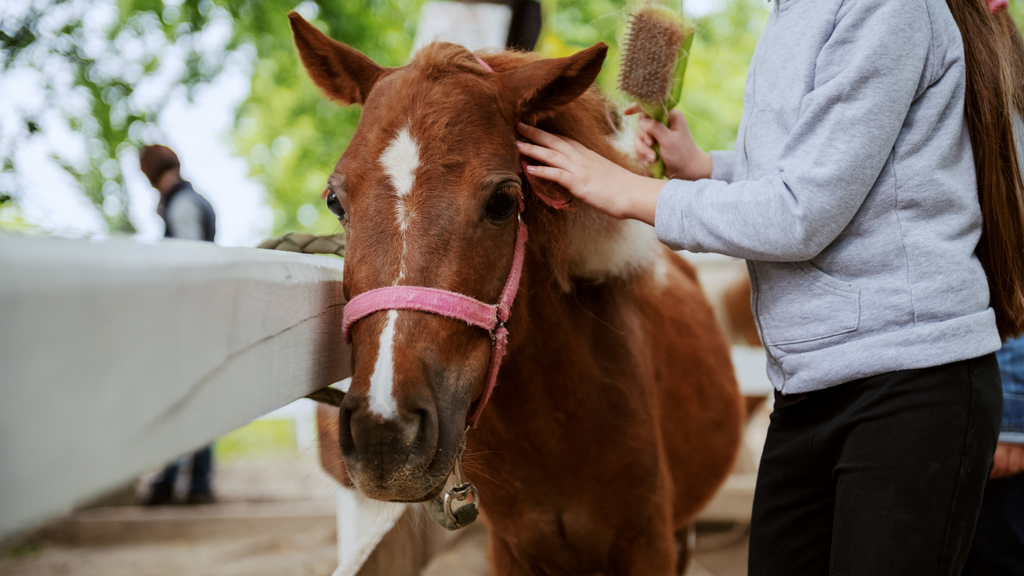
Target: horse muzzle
{"type": "Point", "coordinates": [402, 458]}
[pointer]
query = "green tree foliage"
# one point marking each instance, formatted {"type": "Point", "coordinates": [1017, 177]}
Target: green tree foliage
{"type": "Point", "coordinates": [290, 133]}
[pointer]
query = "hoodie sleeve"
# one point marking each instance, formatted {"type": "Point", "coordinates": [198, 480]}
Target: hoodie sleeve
{"type": "Point", "coordinates": [723, 165]}
{"type": "Point", "coordinates": [866, 77]}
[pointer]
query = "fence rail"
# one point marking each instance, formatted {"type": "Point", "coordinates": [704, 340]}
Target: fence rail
{"type": "Point", "coordinates": [117, 356]}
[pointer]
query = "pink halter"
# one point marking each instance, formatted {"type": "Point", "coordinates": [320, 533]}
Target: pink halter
{"type": "Point", "coordinates": [490, 317]}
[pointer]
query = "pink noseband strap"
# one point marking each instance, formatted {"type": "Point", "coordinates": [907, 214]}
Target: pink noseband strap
{"type": "Point", "coordinates": [490, 317]}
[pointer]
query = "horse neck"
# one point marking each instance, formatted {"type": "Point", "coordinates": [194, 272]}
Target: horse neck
{"type": "Point", "coordinates": [556, 315]}
{"type": "Point", "coordinates": [553, 359]}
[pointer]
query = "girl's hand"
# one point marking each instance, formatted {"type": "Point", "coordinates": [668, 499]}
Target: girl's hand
{"type": "Point", "coordinates": [591, 177]}
{"type": "Point", "coordinates": [683, 158]}
{"type": "Point", "coordinates": [1009, 460]}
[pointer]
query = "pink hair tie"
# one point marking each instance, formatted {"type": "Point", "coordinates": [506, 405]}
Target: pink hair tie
{"type": "Point", "coordinates": [997, 5]}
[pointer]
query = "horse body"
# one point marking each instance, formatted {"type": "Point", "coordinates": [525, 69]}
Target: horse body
{"type": "Point", "coordinates": [616, 416]}
{"type": "Point", "coordinates": [603, 442]}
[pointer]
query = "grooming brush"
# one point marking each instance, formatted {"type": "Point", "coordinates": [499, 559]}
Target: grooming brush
{"type": "Point", "coordinates": [653, 64]}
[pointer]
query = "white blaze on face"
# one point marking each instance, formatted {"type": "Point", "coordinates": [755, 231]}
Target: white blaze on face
{"type": "Point", "coordinates": [382, 396]}
{"type": "Point", "coordinates": [400, 160]}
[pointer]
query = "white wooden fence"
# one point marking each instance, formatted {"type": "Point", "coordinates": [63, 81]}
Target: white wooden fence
{"type": "Point", "coordinates": [117, 356]}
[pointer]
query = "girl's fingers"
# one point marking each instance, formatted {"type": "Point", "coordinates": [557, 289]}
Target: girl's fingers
{"type": "Point", "coordinates": [643, 151]}
{"type": "Point", "coordinates": [1000, 462]}
{"type": "Point", "coordinates": [548, 173]}
{"type": "Point", "coordinates": [658, 131]}
{"type": "Point", "coordinates": [645, 127]}
{"type": "Point", "coordinates": [579, 148]}
{"type": "Point", "coordinates": [543, 138]}
{"type": "Point", "coordinates": [635, 109]}
{"type": "Point", "coordinates": [676, 119]}
{"type": "Point", "coordinates": [997, 470]}
{"type": "Point", "coordinates": [1015, 460]}
{"type": "Point", "coordinates": [545, 155]}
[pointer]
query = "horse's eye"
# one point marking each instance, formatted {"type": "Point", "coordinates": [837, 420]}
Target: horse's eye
{"type": "Point", "coordinates": [334, 205]}
{"type": "Point", "coordinates": [501, 204]}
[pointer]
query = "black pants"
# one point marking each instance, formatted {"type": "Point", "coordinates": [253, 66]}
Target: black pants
{"type": "Point", "coordinates": [199, 483]}
{"type": "Point", "coordinates": [879, 476]}
{"type": "Point", "coordinates": [998, 546]}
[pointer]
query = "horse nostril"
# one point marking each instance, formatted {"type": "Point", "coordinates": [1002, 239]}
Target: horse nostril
{"type": "Point", "coordinates": [345, 434]}
{"type": "Point", "coordinates": [427, 439]}
{"type": "Point", "coordinates": [421, 429]}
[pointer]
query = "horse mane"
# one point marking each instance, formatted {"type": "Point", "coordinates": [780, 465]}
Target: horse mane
{"type": "Point", "coordinates": [578, 242]}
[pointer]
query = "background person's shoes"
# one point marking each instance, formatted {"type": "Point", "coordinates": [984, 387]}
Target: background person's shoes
{"type": "Point", "coordinates": [197, 498]}
{"type": "Point", "coordinates": [160, 497]}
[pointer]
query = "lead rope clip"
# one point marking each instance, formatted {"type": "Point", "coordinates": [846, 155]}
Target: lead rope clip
{"type": "Point", "coordinates": [458, 507]}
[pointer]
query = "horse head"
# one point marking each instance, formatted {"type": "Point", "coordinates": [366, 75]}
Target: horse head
{"type": "Point", "coordinates": [429, 191]}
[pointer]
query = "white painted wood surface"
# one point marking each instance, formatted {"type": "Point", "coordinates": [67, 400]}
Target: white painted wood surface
{"type": "Point", "coordinates": [117, 356]}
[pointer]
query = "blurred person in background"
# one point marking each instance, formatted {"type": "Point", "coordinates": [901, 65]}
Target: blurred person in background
{"type": "Point", "coordinates": [186, 214]}
{"type": "Point", "coordinates": [190, 216]}
{"type": "Point", "coordinates": [998, 546]}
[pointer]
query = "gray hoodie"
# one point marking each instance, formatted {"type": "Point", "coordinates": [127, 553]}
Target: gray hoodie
{"type": "Point", "coordinates": [851, 194]}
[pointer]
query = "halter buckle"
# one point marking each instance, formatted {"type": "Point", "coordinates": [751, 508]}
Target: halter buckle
{"type": "Point", "coordinates": [493, 332]}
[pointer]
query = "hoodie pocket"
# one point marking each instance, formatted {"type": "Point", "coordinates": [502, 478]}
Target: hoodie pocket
{"type": "Point", "coordinates": [796, 302]}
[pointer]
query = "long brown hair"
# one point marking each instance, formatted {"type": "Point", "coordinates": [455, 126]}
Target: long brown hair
{"type": "Point", "coordinates": [995, 71]}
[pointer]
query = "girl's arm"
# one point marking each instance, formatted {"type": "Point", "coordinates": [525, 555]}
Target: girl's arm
{"type": "Point", "coordinates": [867, 76]}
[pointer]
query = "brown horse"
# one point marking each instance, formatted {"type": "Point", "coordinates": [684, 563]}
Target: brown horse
{"type": "Point", "coordinates": [616, 416]}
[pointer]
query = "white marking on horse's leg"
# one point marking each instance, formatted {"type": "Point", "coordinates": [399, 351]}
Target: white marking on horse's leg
{"type": "Point", "coordinates": [400, 160]}
{"type": "Point", "coordinates": [382, 381]}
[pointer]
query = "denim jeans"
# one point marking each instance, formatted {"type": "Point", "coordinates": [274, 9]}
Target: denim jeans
{"type": "Point", "coordinates": [1011, 368]}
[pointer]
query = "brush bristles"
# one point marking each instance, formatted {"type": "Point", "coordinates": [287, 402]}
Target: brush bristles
{"type": "Point", "coordinates": [649, 61]}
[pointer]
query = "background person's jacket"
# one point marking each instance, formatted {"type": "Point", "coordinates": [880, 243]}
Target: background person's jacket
{"type": "Point", "coordinates": [188, 215]}
{"type": "Point", "coordinates": [851, 194]}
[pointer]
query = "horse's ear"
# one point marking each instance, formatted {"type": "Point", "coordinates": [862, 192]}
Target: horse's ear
{"type": "Point", "coordinates": [344, 74]}
{"type": "Point", "coordinates": [541, 87]}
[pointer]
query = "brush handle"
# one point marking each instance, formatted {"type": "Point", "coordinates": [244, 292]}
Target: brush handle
{"type": "Point", "coordinates": [657, 168]}
{"type": "Point", "coordinates": [660, 114]}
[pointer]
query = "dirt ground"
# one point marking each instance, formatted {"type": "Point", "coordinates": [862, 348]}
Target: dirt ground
{"type": "Point", "coordinates": [273, 517]}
